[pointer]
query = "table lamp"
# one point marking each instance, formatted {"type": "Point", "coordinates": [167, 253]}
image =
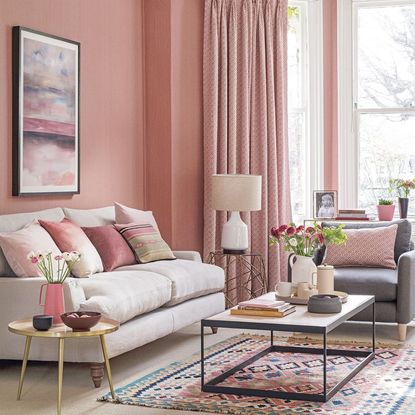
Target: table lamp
{"type": "Point", "coordinates": [236, 193]}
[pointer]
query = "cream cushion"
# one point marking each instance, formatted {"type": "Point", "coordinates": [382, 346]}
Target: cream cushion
{"type": "Point", "coordinates": [17, 245]}
{"type": "Point", "coordinates": [91, 217]}
{"type": "Point", "coordinates": [122, 295]}
{"type": "Point", "coordinates": [189, 279]}
{"type": "Point", "coordinates": [124, 214]}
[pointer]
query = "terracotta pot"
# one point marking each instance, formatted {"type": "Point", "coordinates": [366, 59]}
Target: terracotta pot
{"type": "Point", "coordinates": [54, 304]}
{"type": "Point", "coordinates": [385, 212]}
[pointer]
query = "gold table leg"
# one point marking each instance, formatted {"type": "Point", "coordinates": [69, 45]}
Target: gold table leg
{"type": "Point", "coordinates": [60, 373]}
{"type": "Point", "coordinates": [107, 365]}
{"type": "Point", "coordinates": [24, 364]}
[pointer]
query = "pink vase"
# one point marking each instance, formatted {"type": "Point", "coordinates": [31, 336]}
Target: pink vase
{"type": "Point", "coordinates": [385, 212]}
{"type": "Point", "coordinates": [54, 304]}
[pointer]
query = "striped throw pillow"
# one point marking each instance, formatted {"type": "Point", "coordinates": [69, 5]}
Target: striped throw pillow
{"type": "Point", "coordinates": [146, 242]}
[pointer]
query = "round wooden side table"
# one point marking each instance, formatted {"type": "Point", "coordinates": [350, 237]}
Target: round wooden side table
{"type": "Point", "coordinates": [62, 332]}
{"type": "Point", "coordinates": [250, 275]}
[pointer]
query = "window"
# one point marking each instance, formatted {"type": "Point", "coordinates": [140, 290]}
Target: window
{"type": "Point", "coordinates": [304, 104]}
{"type": "Point", "coordinates": [382, 100]}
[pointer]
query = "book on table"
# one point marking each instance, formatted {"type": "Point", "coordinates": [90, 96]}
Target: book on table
{"type": "Point", "coordinates": [264, 308]}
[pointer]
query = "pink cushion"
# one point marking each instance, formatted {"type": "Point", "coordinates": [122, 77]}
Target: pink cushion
{"type": "Point", "coordinates": [111, 246]}
{"type": "Point", "coordinates": [369, 247]}
{"type": "Point", "coordinates": [17, 245]}
{"type": "Point", "coordinates": [70, 237]}
{"type": "Point", "coordinates": [124, 214]}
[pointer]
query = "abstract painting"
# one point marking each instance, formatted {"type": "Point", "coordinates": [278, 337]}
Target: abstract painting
{"type": "Point", "coordinates": [45, 113]}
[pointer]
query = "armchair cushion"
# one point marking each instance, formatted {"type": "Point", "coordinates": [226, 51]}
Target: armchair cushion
{"type": "Point", "coordinates": [380, 282]}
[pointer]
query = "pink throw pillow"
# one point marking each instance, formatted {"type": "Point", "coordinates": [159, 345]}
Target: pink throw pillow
{"type": "Point", "coordinates": [17, 245]}
{"type": "Point", "coordinates": [70, 237]}
{"type": "Point", "coordinates": [368, 247]}
{"type": "Point", "coordinates": [124, 214]}
{"type": "Point", "coordinates": [111, 246]}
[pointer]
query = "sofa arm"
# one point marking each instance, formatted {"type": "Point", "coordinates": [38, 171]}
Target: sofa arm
{"type": "Point", "coordinates": [406, 288]}
{"type": "Point", "coordinates": [189, 255]}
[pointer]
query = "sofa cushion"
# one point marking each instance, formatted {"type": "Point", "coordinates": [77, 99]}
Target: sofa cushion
{"type": "Point", "coordinates": [91, 217]}
{"type": "Point", "coordinates": [403, 236]}
{"type": "Point", "coordinates": [125, 214]}
{"type": "Point", "coordinates": [189, 279]}
{"type": "Point", "coordinates": [111, 246]}
{"type": "Point", "coordinates": [70, 237]}
{"type": "Point", "coordinates": [122, 295]}
{"type": "Point", "coordinates": [380, 282]}
{"type": "Point", "coordinates": [14, 222]}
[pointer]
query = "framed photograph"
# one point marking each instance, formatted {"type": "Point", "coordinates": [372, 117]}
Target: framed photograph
{"type": "Point", "coordinates": [45, 113]}
{"type": "Point", "coordinates": [325, 204]}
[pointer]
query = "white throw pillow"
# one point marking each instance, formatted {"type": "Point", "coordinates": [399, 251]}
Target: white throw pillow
{"type": "Point", "coordinates": [124, 214]}
{"type": "Point", "coordinates": [17, 245]}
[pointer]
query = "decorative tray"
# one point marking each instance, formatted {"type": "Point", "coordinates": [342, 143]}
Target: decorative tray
{"type": "Point", "coordinates": [302, 301]}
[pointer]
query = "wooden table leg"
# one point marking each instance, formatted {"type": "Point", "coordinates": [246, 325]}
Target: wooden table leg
{"type": "Point", "coordinates": [107, 365]}
{"type": "Point", "coordinates": [60, 373]}
{"type": "Point", "coordinates": [24, 364]}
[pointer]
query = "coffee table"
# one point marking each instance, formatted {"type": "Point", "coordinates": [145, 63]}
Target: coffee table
{"type": "Point", "coordinates": [301, 321]}
{"type": "Point", "coordinates": [61, 332]}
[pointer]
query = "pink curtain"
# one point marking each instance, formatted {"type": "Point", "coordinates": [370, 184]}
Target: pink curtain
{"type": "Point", "coordinates": [245, 115]}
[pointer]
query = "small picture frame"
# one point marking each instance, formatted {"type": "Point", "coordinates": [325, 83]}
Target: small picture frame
{"type": "Point", "coordinates": [324, 204]}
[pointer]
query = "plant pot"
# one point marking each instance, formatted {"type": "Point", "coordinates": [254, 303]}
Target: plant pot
{"type": "Point", "coordinates": [54, 304]}
{"type": "Point", "coordinates": [403, 207]}
{"type": "Point", "coordinates": [385, 212]}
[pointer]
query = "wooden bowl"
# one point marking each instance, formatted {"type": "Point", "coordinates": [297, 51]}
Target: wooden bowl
{"type": "Point", "coordinates": [81, 323]}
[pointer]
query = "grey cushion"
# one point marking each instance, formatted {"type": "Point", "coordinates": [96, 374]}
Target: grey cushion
{"type": "Point", "coordinates": [380, 282]}
{"type": "Point", "coordinates": [403, 236]}
{"type": "Point", "coordinates": [91, 217]}
{"type": "Point", "coordinates": [14, 222]}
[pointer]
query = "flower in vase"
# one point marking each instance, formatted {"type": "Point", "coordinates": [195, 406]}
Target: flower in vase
{"type": "Point", "coordinates": [291, 230]}
{"type": "Point", "coordinates": [293, 242]}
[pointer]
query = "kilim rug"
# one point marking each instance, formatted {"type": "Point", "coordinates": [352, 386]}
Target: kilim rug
{"type": "Point", "coordinates": [385, 387]}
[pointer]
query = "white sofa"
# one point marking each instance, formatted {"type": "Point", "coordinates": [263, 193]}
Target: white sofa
{"type": "Point", "coordinates": [149, 300]}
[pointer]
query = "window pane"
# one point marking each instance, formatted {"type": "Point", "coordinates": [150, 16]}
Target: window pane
{"type": "Point", "coordinates": [387, 150]}
{"type": "Point", "coordinates": [294, 57]}
{"type": "Point", "coordinates": [386, 57]}
{"type": "Point", "coordinates": [297, 146]}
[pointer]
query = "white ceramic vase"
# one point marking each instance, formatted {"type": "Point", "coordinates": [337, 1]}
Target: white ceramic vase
{"type": "Point", "coordinates": [302, 269]}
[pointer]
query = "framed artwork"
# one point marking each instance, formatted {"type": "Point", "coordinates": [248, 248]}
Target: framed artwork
{"type": "Point", "coordinates": [45, 113]}
{"type": "Point", "coordinates": [325, 204]}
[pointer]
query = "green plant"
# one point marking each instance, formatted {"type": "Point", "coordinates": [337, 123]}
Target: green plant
{"type": "Point", "coordinates": [402, 186]}
{"type": "Point", "coordinates": [304, 241]}
{"type": "Point", "coordinates": [385, 202]}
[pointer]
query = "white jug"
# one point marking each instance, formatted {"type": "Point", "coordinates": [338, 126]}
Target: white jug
{"type": "Point", "coordinates": [302, 269]}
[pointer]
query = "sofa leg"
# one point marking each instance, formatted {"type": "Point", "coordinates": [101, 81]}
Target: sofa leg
{"type": "Point", "coordinates": [214, 330]}
{"type": "Point", "coordinates": [402, 332]}
{"type": "Point", "coordinates": [97, 373]}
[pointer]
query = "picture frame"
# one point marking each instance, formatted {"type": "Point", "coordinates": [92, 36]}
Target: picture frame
{"type": "Point", "coordinates": [325, 204]}
{"type": "Point", "coordinates": [46, 129]}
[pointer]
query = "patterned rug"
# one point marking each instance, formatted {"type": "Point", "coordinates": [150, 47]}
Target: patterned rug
{"type": "Point", "coordinates": [385, 387]}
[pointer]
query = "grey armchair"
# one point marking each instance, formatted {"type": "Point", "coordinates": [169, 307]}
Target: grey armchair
{"type": "Point", "coordinates": [394, 290]}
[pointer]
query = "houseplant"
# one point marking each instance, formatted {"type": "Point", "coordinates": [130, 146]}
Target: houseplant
{"type": "Point", "coordinates": [55, 269]}
{"type": "Point", "coordinates": [403, 187]}
{"type": "Point", "coordinates": [386, 209]}
{"type": "Point", "coordinates": [303, 242]}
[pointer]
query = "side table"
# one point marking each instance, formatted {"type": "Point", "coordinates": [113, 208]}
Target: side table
{"type": "Point", "coordinates": [250, 275]}
{"type": "Point", "coordinates": [62, 332]}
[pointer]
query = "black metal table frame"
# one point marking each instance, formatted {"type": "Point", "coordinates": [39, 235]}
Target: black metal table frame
{"type": "Point", "coordinates": [327, 394]}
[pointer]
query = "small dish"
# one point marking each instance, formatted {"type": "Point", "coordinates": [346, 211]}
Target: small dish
{"type": "Point", "coordinates": [42, 322]}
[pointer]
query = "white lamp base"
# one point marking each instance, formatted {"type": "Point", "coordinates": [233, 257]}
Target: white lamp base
{"type": "Point", "coordinates": [235, 235]}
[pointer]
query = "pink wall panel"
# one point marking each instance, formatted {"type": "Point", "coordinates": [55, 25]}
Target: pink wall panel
{"type": "Point", "coordinates": [111, 117]}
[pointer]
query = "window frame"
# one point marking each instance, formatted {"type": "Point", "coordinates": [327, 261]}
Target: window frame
{"type": "Point", "coordinates": [313, 95]}
{"type": "Point", "coordinates": [348, 111]}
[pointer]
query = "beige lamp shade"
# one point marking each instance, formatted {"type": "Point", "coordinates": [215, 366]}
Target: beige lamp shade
{"type": "Point", "coordinates": [236, 192]}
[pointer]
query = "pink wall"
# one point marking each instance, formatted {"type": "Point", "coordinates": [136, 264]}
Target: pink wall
{"type": "Point", "coordinates": [111, 102]}
{"type": "Point", "coordinates": [330, 94]}
{"type": "Point", "coordinates": [174, 140]}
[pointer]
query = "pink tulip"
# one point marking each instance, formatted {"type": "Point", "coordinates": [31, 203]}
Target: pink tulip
{"type": "Point", "coordinates": [291, 231]}
{"type": "Point", "coordinates": [282, 228]}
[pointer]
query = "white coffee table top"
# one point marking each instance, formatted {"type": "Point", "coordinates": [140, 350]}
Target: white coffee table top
{"type": "Point", "coordinates": [300, 320]}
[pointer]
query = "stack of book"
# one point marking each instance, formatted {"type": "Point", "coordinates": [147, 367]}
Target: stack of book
{"type": "Point", "coordinates": [263, 308]}
{"type": "Point", "coordinates": [352, 214]}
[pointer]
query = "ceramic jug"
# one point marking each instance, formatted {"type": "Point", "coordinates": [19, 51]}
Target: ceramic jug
{"type": "Point", "coordinates": [302, 269]}
{"type": "Point", "coordinates": [54, 301]}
